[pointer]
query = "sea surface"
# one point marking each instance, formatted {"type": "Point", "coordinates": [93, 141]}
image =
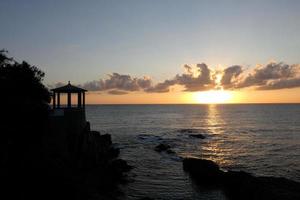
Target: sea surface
{"type": "Point", "coordinates": [263, 139]}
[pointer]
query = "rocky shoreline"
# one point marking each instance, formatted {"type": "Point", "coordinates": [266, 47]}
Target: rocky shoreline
{"type": "Point", "coordinates": [240, 184]}
{"type": "Point", "coordinates": [95, 171]}
{"type": "Point", "coordinates": [88, 168]}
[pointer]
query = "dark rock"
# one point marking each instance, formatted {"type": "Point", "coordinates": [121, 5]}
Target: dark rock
{"type": "Point", "coordinates": [170, 151]}
{"type": "Point", "coordinates": [162, 147]}
{"type": "Point", "coordinates": [121, 165]}
{"type": "Point", "coordinates": [239, 184]}
{"type": "Point", "coordinates": [113, 152]}
{"type": "Point", "coordinates": [188, 130]}
{"type": "Point", "coordinates": [200, 136]}
{"type": "Point", "coordinates": [203, 170]}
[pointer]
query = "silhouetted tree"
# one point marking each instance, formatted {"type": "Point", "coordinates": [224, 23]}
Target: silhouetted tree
{"type": "Point", "coordinates": [24, 102]}
{"type": "Point", "coordinates": [24, 99]}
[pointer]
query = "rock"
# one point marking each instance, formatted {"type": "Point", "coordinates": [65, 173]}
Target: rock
{"type": "Point", "coordinates": [203, 170]}
{"type": "Point", "coordinates": [162, 147]}
{"type": "Point", "coordinates": [113, 152]}
{"type": "Point", "coordinates": [120, 165]}
{"type": "Point", "coordinates": [188, 130]}
{"type": "Point", "coordinates": [200, 136]}
{"type": "Point", "coordinates": [240, 184]}
{"type": "Point", "coordinates": [170, 151]}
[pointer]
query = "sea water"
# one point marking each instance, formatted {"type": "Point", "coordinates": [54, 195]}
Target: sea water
{"type": "Point", "coordinates": [263, 139]}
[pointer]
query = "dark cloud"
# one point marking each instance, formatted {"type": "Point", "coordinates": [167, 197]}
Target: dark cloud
{"type": "Point", "coordinates": [188, 69]}
{"type": "Point", "coordinates": [119, 82]}
{"type": "Point", "coordinates": [93, 85]}
{"type": "Point", "coordinates": [161, 87]}
{"type": "Point", "coordinates": [200, 82]}
{"type": "Point", "coordinates": [117, 92]}
{"type": "Point", "coordinates": [281, 84]}
{"type": "Point", "coordinates": [272, 76]}
{"type": "Point", "coordinates": [230, 76]}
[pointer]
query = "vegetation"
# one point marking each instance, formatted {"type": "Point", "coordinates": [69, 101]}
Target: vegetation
{"type": "Point", "coordinates": [24, 108]}
{"type": "Point", "coordinates": [24, 98]}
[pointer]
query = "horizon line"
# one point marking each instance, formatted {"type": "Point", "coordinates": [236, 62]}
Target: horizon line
{"type": "Point", "coordinates": [93, 104]}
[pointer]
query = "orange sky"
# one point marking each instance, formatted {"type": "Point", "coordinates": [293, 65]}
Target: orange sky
{"type": "Point", "coordinates": [178, 97]}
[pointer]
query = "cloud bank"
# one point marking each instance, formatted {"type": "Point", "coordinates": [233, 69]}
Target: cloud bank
{"type": "Point", "coordinates": [200, 77]}
{"type": "Point", "coordinates": [271, 77]}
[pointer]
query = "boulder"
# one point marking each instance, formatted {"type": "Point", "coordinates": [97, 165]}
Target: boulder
{"type": "Point", "coordinates": [188, 130]}
{"type": "Point", "coordinates": [240, 184]}
{"type": "Point", "coordinates": [170, 151]}
{"type": "Point", "coordinates": [204, 171]}
{"type": "Point", "coordinates": [120, 165]}
{"type": "Point", "coordinates": [162, 147]}
{"type": "Point", "coordinates": [199, 136]}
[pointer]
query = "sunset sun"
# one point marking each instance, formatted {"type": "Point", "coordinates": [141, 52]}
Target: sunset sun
{"type": "Point", "coordinates": [212, 97]}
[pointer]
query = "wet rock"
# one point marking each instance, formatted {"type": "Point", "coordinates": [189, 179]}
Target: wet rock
{"type": "Point", "coordinates": [188, 130]}
{"type": "Point", "coordinates": [242, 185]}
{"type": "Point", "coordinates": [199, 136]}
{"type": "Point", "coordinates": [170, 151]}
{"type": "Point", "coordinates": [121, 165]}
{"type": "Point", "coordinates": [113, 152]}
{"type": "Point", "coordinates": [239, 184]}
{"type": "Point", "coordinates": [162, 147]}
{"type": "Point", "coordinates": [203, 170]}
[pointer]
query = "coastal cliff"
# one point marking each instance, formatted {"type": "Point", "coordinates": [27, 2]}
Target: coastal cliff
{"type": "Point", "coordinates": [87, 162]}
{"type": "Point", "coordinates": [50, 153]}
{"type": "Point", "coordinates": [87, 167]}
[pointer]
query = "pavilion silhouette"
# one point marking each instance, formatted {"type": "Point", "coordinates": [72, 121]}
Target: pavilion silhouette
{"type": "Point", "coordinates": [69, 90]}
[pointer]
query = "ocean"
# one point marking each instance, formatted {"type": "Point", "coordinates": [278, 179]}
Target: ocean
{"type": "Point", "coordinates": [263, 139]}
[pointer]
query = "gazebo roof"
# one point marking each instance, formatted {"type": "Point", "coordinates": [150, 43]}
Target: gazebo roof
{"type": "Point", "coordinates": [68, 89]}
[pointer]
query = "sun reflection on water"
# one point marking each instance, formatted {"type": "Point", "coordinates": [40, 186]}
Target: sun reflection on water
{"type": "Point", "coordinates": [216, 149]}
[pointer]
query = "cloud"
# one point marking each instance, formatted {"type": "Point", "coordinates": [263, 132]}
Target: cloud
{"type": "Point", "coordinates": [56, 85]}
{"type": "Point", "coordinates": [118, 81]}
{"type": "Point", "coordinates": [121, 84]}
{"type": "Point", "coordinates": [161, 87]}
{"type": "Point", "coordinates": [230, 75]}
{"type": "Point", "coordinates": [281, 84]}
{"type": "Point", "coordinates": [117, 92]}
{"type": "Point", "coordinates": [272, 76]}
{"type": "Point", "coordinates": [191, 82]}
{"type": "Point", "coordinates": [93, 85]}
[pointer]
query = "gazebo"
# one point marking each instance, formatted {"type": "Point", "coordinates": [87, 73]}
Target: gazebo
{"type": "Point", "coordinates": [66, 120]}
{"type": "Point", "coordinates": [69, 90]}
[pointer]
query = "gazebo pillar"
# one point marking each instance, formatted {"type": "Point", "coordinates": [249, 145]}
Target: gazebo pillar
{"type": "Point", "coordinates": [54, 100]}
{"type": "Point", "coordinates": [69, 100]}
{"type": "Point", "coordinates": [79, 100]}
{"type": "Point", "coordinates": [58, 100]}
{"type": "Point", "coordinates": [83, 99]}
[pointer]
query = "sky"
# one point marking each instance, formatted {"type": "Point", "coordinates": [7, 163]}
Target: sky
{"type": "Point", "coordinates": [160, 51]}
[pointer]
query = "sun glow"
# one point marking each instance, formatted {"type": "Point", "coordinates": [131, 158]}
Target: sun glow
{"type": "Point", "coordinates": [213, 97]}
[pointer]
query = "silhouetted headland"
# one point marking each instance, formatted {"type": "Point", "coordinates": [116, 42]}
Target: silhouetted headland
{"type": "Point", "coordinates": [51, 153]}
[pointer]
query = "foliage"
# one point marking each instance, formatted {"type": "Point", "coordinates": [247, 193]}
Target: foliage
{"type": "Point", "coordinates": [24, 98]}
